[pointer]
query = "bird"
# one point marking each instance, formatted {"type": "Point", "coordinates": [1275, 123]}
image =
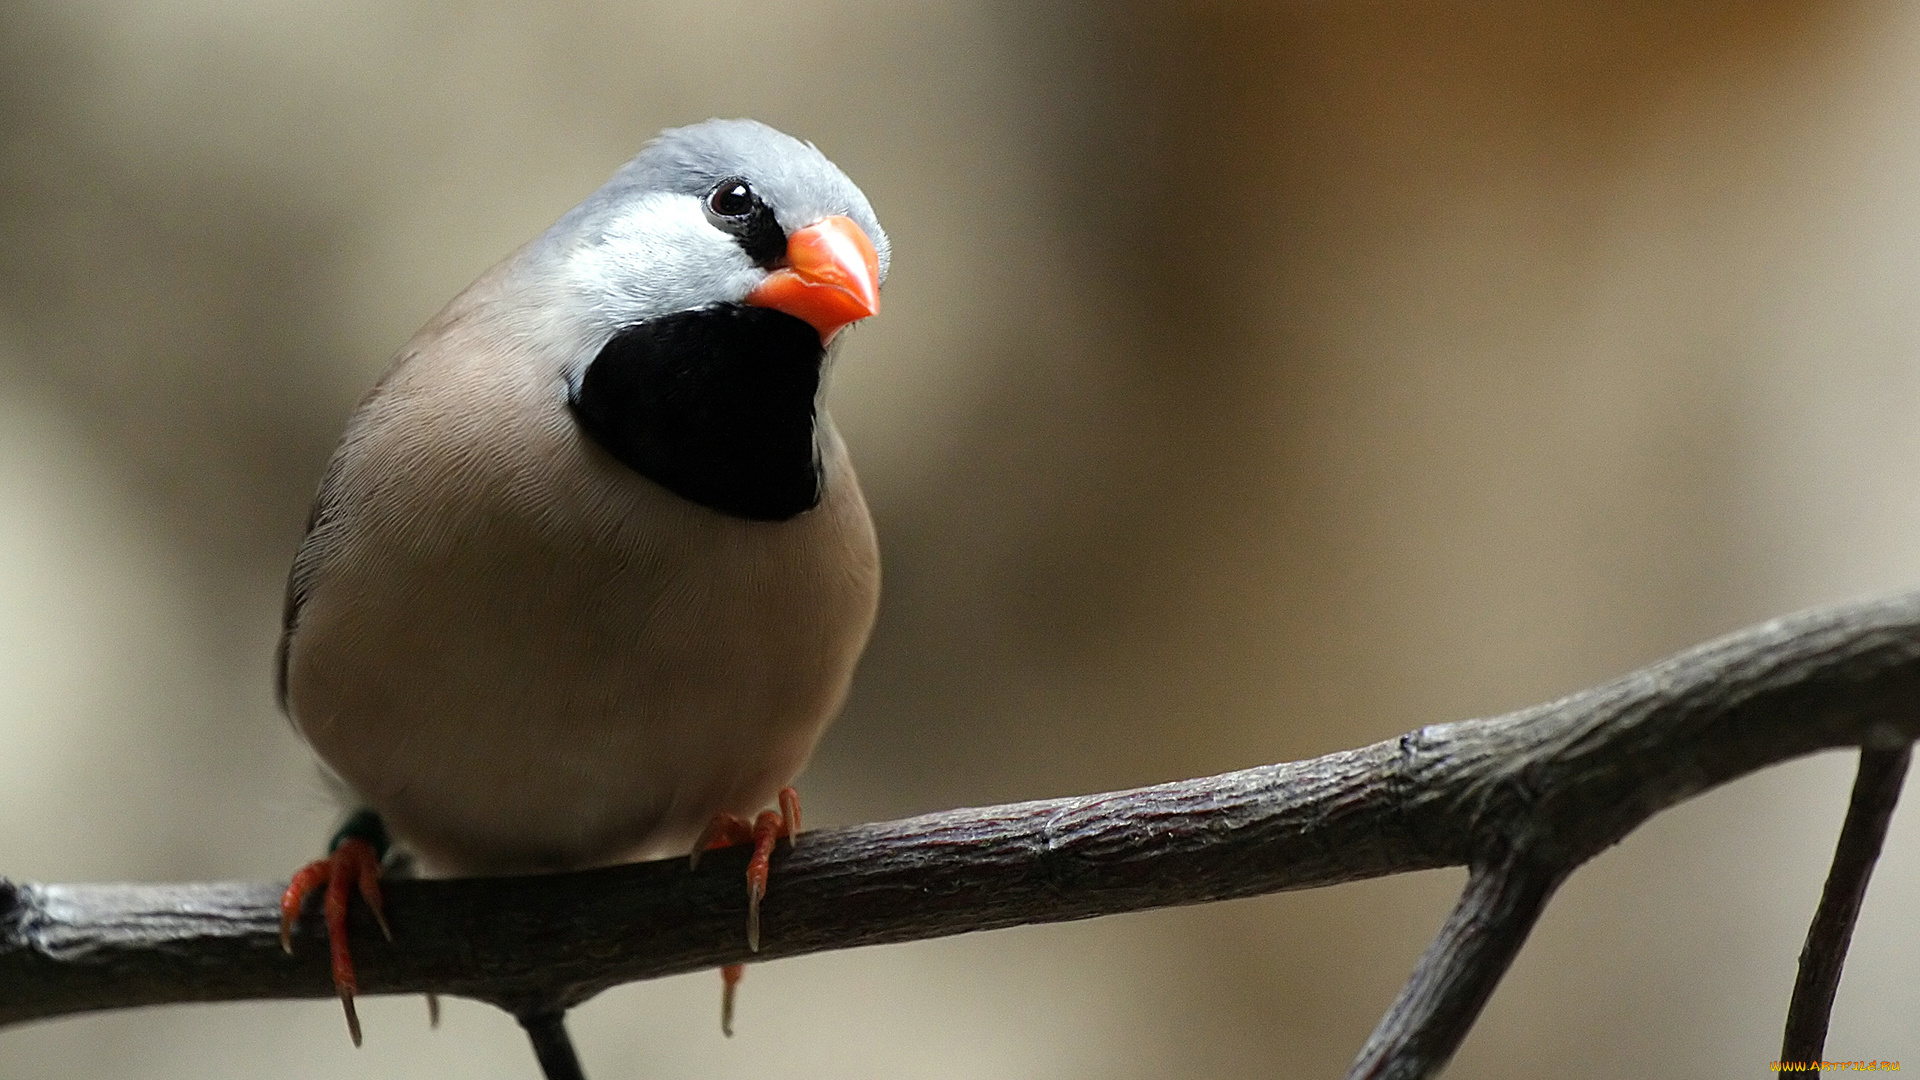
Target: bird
{"type": "Point", "coordinates": [589, 573]}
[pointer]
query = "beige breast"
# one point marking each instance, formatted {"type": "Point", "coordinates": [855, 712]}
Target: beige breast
{"type": "Point", "coordinates": [527, 656]}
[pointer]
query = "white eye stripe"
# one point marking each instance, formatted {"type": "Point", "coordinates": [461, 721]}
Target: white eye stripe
{"type": "Point", "coordinates": [656, 257]}
{"type": "Point", "coordinates": [660, 256]}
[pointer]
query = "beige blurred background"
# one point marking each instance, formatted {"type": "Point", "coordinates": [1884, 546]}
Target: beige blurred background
{"type": "Point", "coordinates": [1256, 380]}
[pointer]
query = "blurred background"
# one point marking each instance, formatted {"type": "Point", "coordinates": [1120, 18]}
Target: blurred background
{"type": "Point", "coordinates": [1256, 380]}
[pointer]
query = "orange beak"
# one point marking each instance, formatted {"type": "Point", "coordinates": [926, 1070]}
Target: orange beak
{"type": "Point", "coordinates": [831, 277]}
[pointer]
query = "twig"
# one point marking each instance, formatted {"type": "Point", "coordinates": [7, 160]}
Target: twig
{"type": "Point", "coordinates": [552, 1046]}
{"type": "Point", "coordinates": [1556, 784]}
{"type": "Point", "coordinates": [1458, 972]}
{"type": "Point", "coordinates": [1876, 789]}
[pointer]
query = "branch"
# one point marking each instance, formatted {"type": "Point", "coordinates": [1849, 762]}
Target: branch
{"type": "Point", "coordinates": [551, 1046]}
{"type": "Point", "coordinates": [1523, 799]}
{"type": "Point", "coordinates": [1876, 788]}
{"type": "Point", "coordinates": [1457, 973]}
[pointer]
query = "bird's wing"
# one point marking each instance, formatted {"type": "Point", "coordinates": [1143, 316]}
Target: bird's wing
{"type": "Point", "coordinates": [325, 501]}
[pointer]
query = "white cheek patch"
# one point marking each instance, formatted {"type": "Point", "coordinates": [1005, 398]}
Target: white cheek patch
{"type": "Point", "coordinates": [659, 256]}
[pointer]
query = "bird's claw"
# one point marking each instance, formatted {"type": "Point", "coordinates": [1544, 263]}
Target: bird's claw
{"type": "Point", "coordinates": [790, 815]}
{"type": "Point", "coordinates": [729, 978]}
{"type": "Point", "coordinates": [353, 862]}
{"type": "Point", "coordinates": [766, 833]}
{"type": "Point", "coordinates": [728, 830]}
{"type": "Point", "coordinates": [725, 830]}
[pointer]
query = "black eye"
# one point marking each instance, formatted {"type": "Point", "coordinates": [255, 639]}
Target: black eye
{"type": "Point", "coordinates": [731, 198]}
{"type": "Point", "coordinates": [733, 208]}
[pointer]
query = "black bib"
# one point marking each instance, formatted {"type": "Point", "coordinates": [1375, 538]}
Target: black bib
{"type": "Point", "coordinates": [715, 405]}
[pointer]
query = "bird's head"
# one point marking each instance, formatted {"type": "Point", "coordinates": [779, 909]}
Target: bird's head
{"type": "Point", "coordinates": [699, 290]}
{"type": "Point", "coordinates": [727, 212]}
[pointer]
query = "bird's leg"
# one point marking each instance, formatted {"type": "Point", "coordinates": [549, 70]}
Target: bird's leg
{"type": "Point", "coordinates": [353, 859]}
{"type": "Point", "coordinates": [727, 830]}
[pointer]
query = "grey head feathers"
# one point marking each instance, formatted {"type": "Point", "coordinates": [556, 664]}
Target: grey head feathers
{"type": "Point", "coordinates": [641, 246]}
{"type": "Point", "coordinates": [794, 177]}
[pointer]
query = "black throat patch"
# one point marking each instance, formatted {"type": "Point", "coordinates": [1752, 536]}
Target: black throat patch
{"type": "Point", "coordinates": [715, 405]}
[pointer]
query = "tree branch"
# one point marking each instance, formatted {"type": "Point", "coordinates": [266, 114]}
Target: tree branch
{"type": "Point", "coordinates": [1523, 799]}
{"type": "Point", "coordinates": [1876, 788]}
{"type": "Point", "coordinates": [1458, 972]}
{"type": "Point", "coordinates": [551, 1046]}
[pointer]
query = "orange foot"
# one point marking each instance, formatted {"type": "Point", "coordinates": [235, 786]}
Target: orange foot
{"type": "Point", "coordinates": [356, 853]}
{"type": "Point", "coordinates": [726, 830]}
